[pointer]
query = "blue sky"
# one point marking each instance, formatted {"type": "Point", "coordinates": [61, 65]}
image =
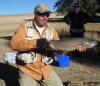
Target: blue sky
{"type": "Point", "coordinates": [22, 6]}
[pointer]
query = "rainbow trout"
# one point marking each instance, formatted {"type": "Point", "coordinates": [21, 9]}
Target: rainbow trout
{"type": "Point", "coordinates": [70, 44]}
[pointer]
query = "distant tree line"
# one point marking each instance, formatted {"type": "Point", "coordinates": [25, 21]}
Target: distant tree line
{"type": "Point", "coordinates": [89, 6]}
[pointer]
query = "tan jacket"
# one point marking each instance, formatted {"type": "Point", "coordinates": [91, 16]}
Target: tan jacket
{"type": "Point", "coordinates": [38, 70]}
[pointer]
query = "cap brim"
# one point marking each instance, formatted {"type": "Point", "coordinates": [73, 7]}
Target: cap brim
{"type": "Point", "coordinates": [45, 11]}
{"type": "Point", "coordinates": [49, 11]}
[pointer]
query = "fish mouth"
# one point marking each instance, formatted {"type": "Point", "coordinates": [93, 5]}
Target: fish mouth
{"type": "Point", "coordinates": [98, 43]}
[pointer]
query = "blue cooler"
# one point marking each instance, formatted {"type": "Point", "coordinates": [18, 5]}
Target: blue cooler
{"type": "Point", "coordinates": [63, 60]}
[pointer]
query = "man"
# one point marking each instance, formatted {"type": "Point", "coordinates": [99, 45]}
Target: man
{"type": "Point", "coordinates": [76, 19]}
{"type": "Point", "coordinates": [29, 42]}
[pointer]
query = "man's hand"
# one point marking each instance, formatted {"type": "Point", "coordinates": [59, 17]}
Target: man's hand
{"type": "Point", "coordinates": [81, 48]}
{"type": "Point", "coordinates": [42, 43]}
{"type": "Point", "coordinates": [51, 46]}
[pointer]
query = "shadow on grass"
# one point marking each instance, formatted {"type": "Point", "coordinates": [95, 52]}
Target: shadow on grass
{"type": "Point", "coordinates": [7, 43]}
{"type": "Point", "coordinates": [6, 37]}
{"type": "Point", "coordinates": [95, 19]}
{"type": "Point", "coordinates": [55, 20]}
{"type": "Point", "coordinates": [9, 74]}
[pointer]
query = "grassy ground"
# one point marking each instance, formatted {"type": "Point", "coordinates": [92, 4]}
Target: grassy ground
{"type": "Point", "coordinates": [82, 70]}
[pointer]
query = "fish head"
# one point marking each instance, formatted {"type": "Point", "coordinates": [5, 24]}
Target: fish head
{"type": "Point", "coordinates": [91, 43]}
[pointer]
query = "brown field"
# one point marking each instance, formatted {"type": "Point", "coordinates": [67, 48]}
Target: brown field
{"type": "Point", "coordinates": [80, 70]}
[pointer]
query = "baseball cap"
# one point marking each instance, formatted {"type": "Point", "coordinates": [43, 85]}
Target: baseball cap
{"type": "Point", "coordinates": [76, 5]}
{"type": "Point", "coordinates": [42, 8]}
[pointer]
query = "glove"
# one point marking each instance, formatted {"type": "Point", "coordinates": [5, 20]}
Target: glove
{"type": "Point", "coordinates": [42, 43]}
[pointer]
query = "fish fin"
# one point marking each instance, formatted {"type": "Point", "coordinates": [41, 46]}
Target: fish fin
{"type": "Point", "coordinates": [69, 53]}
{"type": "Point", "coordinates": [60, 52]}
{"type": "Point", "coordinates": [64, 53]}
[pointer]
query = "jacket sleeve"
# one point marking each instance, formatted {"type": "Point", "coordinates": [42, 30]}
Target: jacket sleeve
{"type": "Point", "coordinates": [19, 43]}
{"type": "Point", "coordinates": [86, 18]}
{"type": "Point", "coordinates": [67, 18]}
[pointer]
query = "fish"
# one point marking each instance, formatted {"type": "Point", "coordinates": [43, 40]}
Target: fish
{"type": "Point", "coordinates": [70, 44]}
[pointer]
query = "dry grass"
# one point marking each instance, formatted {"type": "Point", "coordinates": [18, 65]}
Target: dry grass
{"type": "Point", "coordinates": [80, 70]}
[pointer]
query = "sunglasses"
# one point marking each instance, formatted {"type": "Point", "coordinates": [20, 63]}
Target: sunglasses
{"type": "Point", "coordinates": [43, 14]}
{"type": "Point", "coordinates": [76, 6]}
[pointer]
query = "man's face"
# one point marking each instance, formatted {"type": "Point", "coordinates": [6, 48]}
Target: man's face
{"type": "Point", "coordinates": [77, 8]}
{"type": "Point", "coordinates": [41, 18]}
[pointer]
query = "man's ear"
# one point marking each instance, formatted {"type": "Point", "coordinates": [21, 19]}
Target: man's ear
{"type": "Point", "coordinates": [35, 13]}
